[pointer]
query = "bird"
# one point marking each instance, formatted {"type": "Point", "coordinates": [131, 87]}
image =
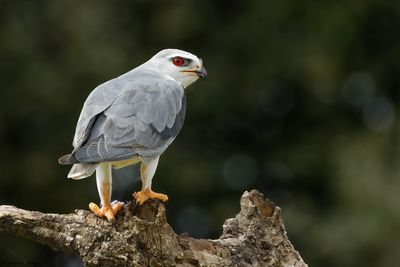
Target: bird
{"type": "Point", "coordinates": [129, 120]}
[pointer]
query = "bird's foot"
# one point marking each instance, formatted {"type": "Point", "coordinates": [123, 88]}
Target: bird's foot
{"type": "Point", "coordinates": [109, 210]}
{"type": "Point", "coordinates": [143, 195]}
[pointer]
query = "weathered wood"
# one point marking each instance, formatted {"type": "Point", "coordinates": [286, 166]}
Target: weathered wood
{"type": "Point", "coordinates": [141, 236]}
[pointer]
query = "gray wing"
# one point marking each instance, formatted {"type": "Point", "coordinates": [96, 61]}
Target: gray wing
{"type": "Point", "coordinates": [98, 100]}
{"type": "Point", "coordinates": [142, 120]}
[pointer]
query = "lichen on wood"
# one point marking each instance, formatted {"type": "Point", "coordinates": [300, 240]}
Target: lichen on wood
{"type": "Point", "coordinates": [141, 236]}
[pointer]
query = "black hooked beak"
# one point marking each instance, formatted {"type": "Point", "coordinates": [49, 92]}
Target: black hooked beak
{"type": "Point", "coordinates": [202, 73]}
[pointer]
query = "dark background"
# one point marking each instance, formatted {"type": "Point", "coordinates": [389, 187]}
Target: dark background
{"type": "Point", "coordinates": [301, 102]}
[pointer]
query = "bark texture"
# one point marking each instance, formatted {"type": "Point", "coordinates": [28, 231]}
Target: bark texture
{"type": "Point", "coordinates": [141, 236]}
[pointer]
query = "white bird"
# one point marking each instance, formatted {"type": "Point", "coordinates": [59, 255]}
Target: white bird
{"type": "Point", "coordinates": [132, 119]}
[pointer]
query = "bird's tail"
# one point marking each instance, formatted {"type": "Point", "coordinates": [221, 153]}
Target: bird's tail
{"type": "Point", "coordinates": [82, 170]}
{"type": "Point", "coordinates": [68, 159]}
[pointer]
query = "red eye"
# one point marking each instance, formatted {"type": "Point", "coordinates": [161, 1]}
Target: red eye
{"type": "Point", "coordinates": [178, 61]}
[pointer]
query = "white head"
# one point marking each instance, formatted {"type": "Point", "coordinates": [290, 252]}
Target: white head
{"type": "Point", "coordinates": [182, 66]}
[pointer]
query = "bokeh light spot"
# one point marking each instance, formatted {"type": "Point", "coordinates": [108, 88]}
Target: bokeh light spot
{"type": "Point", "coordinates": [379, 114]}
{"type": "Point", "coordinates": [358, 88]}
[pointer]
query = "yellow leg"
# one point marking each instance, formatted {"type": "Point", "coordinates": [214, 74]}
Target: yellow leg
{"type": "Point", "coordinates": [147, 170]}
{"type": "Point", "coordinates": [145, 194]}
{"type": "Point", "coordinates": [103, 179]}
{"type": "Point", "coordinates": [109, 210]}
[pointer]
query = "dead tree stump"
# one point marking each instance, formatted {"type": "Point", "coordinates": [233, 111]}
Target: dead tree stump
{"type": "Point", "coordinates": [141, 236]}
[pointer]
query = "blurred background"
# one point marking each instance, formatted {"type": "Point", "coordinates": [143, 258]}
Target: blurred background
{"type": "Point", "coordinates": [301, 102]}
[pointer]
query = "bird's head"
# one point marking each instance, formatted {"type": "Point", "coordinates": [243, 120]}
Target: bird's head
{"type": "Point", "coordinates": [182, 66]}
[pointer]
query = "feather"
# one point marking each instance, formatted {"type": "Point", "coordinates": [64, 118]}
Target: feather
{"type": "Point", "coordinates": [68, 159]}
{"type": "Point", "coordinates": [82, 170]}
{"type": "Point", "coordinates": [141, 120]}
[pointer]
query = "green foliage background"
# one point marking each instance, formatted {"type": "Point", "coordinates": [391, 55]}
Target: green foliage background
{"type": "Point", "coordinates": [301, 103]}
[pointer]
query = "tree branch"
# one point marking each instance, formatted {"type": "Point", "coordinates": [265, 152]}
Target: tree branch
{"type": "Point", "coordinates": [141, 236]}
